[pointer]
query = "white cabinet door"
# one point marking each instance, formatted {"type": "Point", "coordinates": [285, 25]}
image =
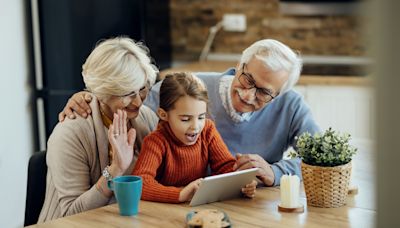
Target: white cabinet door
{"type": "Point", "coordinates": [344, 108]}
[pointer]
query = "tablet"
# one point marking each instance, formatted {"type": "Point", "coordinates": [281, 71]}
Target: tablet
{"type": "Point", "coordinates": [223, 186]}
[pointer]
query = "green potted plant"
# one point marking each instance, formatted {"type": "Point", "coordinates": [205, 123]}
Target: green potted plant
{"type": "Point", "coordinates": [326, 167]}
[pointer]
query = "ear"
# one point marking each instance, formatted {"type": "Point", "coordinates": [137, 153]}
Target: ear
{"type": "Point", "coordinates": [162, 114]}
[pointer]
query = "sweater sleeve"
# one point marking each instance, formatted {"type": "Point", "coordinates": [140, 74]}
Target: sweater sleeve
{"type": "Point", "coordinates": [221, 160]}
{"type": "Point", "coordinates": [68, 156]}
{"type": "Point", "coordinates": [149, 161]}
{"type": "Point", "coordinates": [302, 121]}
{"type": "Point", "coordinates": [153, 97]}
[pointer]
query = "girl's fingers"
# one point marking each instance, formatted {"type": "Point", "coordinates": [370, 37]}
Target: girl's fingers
{"type": "Point", "coordinates": [241, 160]}
{"type": "Point", "coordinates": [253, 184]}
{"type": "Point", "coordinates": [196, 187]}
{"type": "Point", "coordinates": [248, 190]}
{"type": "Point", "coordinates": [250, 194]}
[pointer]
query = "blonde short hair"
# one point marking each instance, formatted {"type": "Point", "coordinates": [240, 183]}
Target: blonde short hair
{"type": "Point", "coordinates": [117, 67]}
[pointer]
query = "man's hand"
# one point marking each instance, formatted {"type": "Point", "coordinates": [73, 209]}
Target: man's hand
{"type": "Point", "coordinates": [187, 192]}
{"type": "Point", "coordinates": [79, 102]}
{"type": "Point", "coordinates": [247, 161]}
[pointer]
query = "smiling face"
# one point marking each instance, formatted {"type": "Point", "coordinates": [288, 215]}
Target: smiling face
{"type": "Point", "coordinates": [130, 103]}
{"type": "Point", "coordinates": [244, 98]}
{"type": "Point", "coordinates": [186, 119]}
{"type": "Point", "coordinates": [118, 72]}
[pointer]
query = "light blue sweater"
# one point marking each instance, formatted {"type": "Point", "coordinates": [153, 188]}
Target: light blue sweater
{"type": "Point", "coordinates": [270, 130]}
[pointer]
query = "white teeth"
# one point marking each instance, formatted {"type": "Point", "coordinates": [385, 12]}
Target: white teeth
{"type": "Point", "coordinates": [192, 135]}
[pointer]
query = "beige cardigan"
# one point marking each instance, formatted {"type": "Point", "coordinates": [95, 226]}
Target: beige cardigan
{"type": "Point", "coordinates": [77, 152]}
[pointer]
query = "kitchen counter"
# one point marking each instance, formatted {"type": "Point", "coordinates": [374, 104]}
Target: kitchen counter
{"type": "Point", "coordinates": [221, 66]}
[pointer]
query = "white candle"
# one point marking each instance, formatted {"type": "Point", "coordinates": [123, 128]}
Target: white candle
{"type": "Point", "coordinates": [290, 187]}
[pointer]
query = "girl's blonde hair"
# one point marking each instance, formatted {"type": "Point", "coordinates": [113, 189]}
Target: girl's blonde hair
{"type": "Point", "coordinates": [178, 85]}
{"type": "Point", "coordinates": [117, 67]}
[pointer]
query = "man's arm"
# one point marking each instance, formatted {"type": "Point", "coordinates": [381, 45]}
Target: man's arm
{"type": "Point", "coordinates": [153, 97]}
{"type": "Point", "coordinates": [79, 103]}
{"type": "Point", "coordinates": [302, 121]}
{"type": "Point", "coordinates": [247, 161]}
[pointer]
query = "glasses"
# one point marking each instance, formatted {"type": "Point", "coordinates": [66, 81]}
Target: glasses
{"type": "Point", "coordinates": [248, 82]}
{"type": "Point", "coordinates": [142, 93]}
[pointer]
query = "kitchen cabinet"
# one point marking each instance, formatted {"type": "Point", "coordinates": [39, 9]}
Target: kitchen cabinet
{"type": "Point", "coordinates": [342, 107]}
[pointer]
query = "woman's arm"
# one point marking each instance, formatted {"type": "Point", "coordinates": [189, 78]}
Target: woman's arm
{"type": "Point", "coordinates": [79, 103]}
{"type": "Point", "coordinates": [71, 160]}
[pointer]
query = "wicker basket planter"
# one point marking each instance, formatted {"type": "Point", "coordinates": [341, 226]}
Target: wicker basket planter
{"type": "Point", "coordinates": [326, 186]}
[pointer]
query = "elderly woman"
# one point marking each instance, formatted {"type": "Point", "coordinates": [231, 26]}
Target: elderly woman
{"type": "Point", "coordinates": [83, 154]}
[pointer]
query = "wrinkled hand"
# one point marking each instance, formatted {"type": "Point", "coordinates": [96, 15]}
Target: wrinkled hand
{"type": "Point", "coordinates": [250, 189]}
{"type": "Point", "coordinates": [122, 143]}
{"type": "Point", "coordinates": [247, 161]}
{"type": "Point", "coordinates": [79, 102]}
{"type": "Point", "coordinates": [187, 192]}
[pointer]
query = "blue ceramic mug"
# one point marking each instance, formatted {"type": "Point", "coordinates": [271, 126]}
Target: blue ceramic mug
{"type": "Point", "coordinates": [127, 191]}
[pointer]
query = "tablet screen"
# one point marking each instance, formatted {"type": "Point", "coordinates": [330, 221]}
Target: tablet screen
{"type": "Point", "coordinates": [222, 187]}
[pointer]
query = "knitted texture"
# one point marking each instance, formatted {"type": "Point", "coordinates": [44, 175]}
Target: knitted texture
{"type": "Point", "coordinates": [167, 165]}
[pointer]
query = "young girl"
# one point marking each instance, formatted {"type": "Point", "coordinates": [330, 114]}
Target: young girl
{"type": "Point", "coordinates": [174, 158]}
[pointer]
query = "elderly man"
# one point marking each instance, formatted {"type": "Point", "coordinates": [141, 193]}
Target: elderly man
{"type": "Point", "coordinates": [254, 107]}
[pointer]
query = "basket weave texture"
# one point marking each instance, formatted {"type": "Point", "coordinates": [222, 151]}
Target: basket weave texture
{"type": "Point", "coordinates": [326, 186]}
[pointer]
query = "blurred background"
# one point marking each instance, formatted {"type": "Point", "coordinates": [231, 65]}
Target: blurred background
{"type": "Point", "coordinates": [315, 28]}
{"type": "Point", "coordinates": [43, 44]}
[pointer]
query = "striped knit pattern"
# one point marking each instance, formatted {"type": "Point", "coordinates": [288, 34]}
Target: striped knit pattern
{"type": "Point", "coordinates": [167, 165]}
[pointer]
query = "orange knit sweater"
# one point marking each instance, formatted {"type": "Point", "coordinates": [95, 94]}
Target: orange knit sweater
{"type": "Point", "coordinates": [167, 165]}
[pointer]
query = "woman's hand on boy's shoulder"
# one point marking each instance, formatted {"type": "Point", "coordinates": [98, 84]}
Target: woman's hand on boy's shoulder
{"type": "Point", "coordinates": [250, 189]}
{"type": "Point", "coordinates": [187, 192]}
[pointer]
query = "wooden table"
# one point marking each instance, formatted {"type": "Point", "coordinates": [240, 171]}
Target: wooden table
{"type": "Point", "coordinates": [360, 210]}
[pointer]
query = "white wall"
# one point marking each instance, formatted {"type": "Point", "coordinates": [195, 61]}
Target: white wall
{"type": "Point", "coordinates": [345, 108]}
{"type": "Point", "coordinates": [16, 143]}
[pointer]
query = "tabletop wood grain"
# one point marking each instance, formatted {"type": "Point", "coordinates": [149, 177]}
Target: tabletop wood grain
{"type": "Point", "coordinates": [359, 211]}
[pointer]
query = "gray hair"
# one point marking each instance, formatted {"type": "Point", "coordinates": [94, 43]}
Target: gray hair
{"type": "Point", "coordinates": [118, 66]}
{"type": "Point", "coordinates": [277, 56]}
